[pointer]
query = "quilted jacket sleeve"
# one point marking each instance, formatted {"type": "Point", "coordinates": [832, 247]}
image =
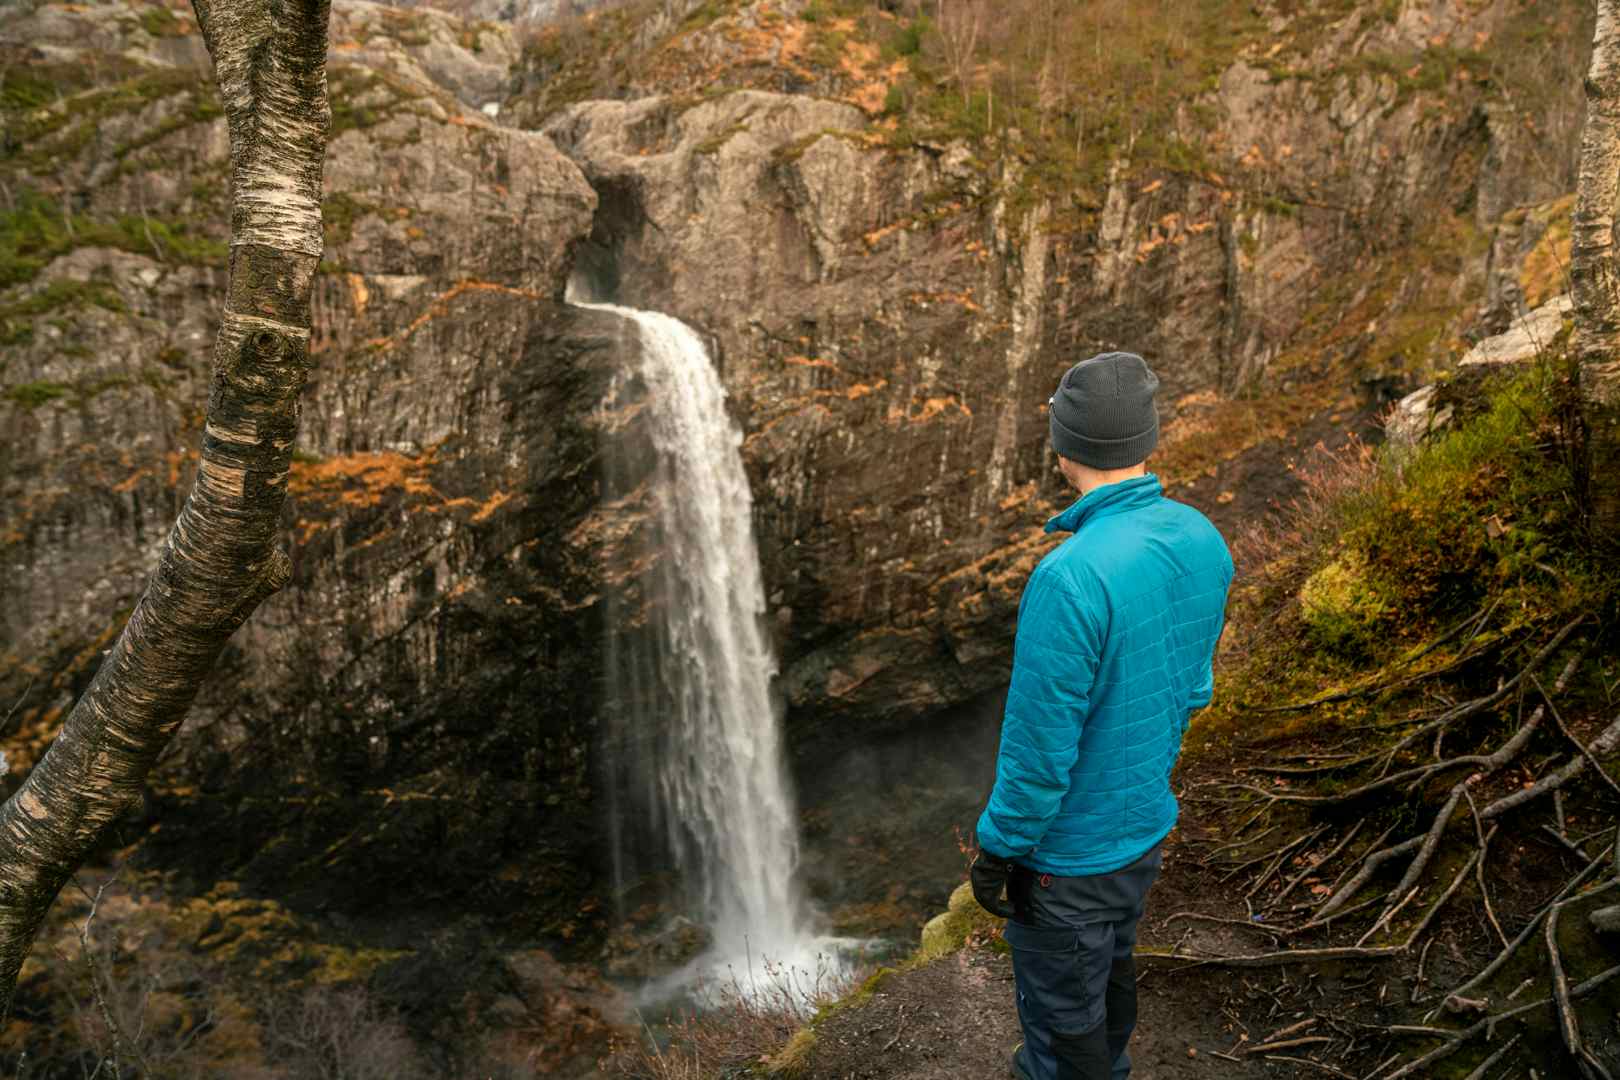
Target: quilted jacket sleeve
{"type": "Point", "coordinates": [1054, 666]}
{"type": "Point", "coordinates": [1204, 687]}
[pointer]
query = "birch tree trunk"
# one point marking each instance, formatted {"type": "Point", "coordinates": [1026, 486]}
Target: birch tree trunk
{"type": "Point", "coordinates": [219, 561]}
{"type": "Point", "coordinates": [1592, 270]}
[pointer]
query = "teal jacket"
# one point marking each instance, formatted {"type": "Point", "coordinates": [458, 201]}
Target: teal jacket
{"type": "Point", "coordinates": [1116, 636]}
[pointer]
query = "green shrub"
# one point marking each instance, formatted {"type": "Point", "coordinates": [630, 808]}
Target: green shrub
{"type": "Point", "coordinates": [1412, 538]}
{"type": "Point", "coordinates": [909, 41]}
{"type": "Point", "coordinates": [894, 102]}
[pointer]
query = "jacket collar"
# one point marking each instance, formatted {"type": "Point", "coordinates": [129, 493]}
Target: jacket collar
{"type": "Point", "coordinates": [1117, 498]}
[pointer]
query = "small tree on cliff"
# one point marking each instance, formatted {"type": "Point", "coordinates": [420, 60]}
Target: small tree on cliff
{"type": "Point", "coordinates": [1592, 271]}
{"type": "Point", "coordinates": [220, 560]}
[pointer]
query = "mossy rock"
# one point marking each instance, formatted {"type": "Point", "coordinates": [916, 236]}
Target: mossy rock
{"type": "Point", "coordinates": [948, 931]}
{"type": "Point", "coordinates": [1342, 605]}
{"type": "Point", "coordinates": [794, 1059]}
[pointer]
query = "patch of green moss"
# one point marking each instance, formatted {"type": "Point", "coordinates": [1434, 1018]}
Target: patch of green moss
{"type": "Point", "coordinates": [45, 137]}
{"type": "Point", "coordinates": [64, 292]}
{"type": "Point", "coordinates": [160, 21]}
{"type": "Point", "coordinates": [950, 930]}
{"type": "Point", "coordinates": [363, 97]}
{"type": "Point", "coordinates": [34, 394]}
{"type": "Point", "coordinates": [713, 143]}
{"type": "Point", "coordinates": [1343, 607]}
{"type": "Point", "coordinates": [705, 13]}
{"type": "Point", "coordinates": [28, 83]}
{"type": "Point", "coordinates": [794, 1059]}
{"type": "Point", "coordinates": [1389, 548]}
{"type": "Point", "coordinates": [36, 230]}
{"type": "Point", "coordinates": [908, 37]}
{"type": "Point", "coordinates": [339, 212]}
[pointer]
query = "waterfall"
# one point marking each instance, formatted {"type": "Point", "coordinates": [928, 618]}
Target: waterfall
{"type": "Point", "coordinates": [699, 735]}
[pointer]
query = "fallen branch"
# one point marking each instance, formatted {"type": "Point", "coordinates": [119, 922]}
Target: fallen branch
{"type": "Point", "coordinates": [899, 1029]}
{"type": "Point", "coordinates": [1502, 958]}
{"type": "Point", "coordinates": [1289, 1044]}
{"type": "Point", "coordinates": [1317, 866]}
{"type": "Point", "coordinates": [1243, 843]}
{"type": "Point", "coordinates": [1277, 959]}
{"type": "Point", "coordinates": [1484, 1066]}
{"type": "Point", "coordinates": [1339, 952]}
{"type": "Point", "coordinates": [1323, 1066]}
{"type": "Point", "coordinates": [1278, 861]}
{"type": "Point", "coordinates": [1479, 868]}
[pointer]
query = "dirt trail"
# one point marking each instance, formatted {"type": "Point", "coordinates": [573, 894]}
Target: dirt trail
{"type": "Point", "coordinates": [954, 1019]}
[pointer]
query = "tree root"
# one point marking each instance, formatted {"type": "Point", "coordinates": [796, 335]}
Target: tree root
{"type": "Point", "coordinates": [1368, 867]}
{"type": "Point", "coordinates": [1463, 1037]}
{"type": "Point", "coordinates": [1524, 935]}
{"type": "Point", "coordinates": [1584, 750]}
{"type": "Point", "coordinates": [1337, 952]}
{"type": "Point", "coordinates": [1569, 1025]}
{"type": "Point", "coordinates": [1607, 740]}
{"type": "Point", "coordinates": [1429, 843]}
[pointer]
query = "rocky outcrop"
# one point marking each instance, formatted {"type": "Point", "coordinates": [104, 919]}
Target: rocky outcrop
{"type": "Point", "coordinates": [871, 300]}
{"type": "Point", "coordinates": [1538, 335]}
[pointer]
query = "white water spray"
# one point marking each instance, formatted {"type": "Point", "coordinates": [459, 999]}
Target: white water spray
{"type": "Point", "coordinates": [695, 685]}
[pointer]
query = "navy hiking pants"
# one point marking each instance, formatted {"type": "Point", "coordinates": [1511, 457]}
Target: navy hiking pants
{"type": "Point", "coordinates": [1072, 940]}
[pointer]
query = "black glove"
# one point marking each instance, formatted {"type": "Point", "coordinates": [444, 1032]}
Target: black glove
{"type": "Point", "coordinates": [989, 875]}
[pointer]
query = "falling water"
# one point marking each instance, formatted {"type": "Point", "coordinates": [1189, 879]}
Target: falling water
{"type": "Point", "coordinates": [692, 688]}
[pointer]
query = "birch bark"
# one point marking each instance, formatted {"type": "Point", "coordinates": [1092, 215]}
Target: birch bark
{"type": "Point", "coordinates": [220, 560]}
{"type": "Point", "coordinates": [1594, 277]}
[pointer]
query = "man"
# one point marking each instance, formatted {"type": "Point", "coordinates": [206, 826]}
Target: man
{"type": "Point", "coordinates": [1116, 637]}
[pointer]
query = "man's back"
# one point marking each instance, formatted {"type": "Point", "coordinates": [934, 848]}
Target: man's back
{"type": "Point", "coordinates": [1116, 634]}
{"type": "Point", "coordinates": [1116, 637]}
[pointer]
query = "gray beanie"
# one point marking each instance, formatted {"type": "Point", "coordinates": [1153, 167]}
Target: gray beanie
{"type": "Point", "coordinates": [1103, 413]}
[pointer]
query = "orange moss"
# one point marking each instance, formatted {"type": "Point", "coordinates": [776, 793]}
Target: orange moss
{"type": "Point", "coordinates": [1546, 269]}
{"type": "Point", "coordinates": [917, 412]}
{"type": "Point", "coordinates": [362, 479]}
{"type": "Point", "coordinates": [806, 361]}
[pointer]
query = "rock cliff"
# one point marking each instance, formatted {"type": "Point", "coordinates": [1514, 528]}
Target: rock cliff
{"type": "Point", "coordinates": [889, 306]}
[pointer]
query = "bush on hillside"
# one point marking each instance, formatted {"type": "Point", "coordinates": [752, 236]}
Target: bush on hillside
{"type": "Point", "coordinates": [1387, 545]}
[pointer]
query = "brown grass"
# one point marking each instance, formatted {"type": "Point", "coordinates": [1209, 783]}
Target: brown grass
{"type": "Point", "coordinates": [742, 1027]}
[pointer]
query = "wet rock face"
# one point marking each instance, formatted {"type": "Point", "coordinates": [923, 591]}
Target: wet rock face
{"type": "Point", "coordinates": [427, 681]}
{"type": "Point", "coordinates": [889, 321]}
